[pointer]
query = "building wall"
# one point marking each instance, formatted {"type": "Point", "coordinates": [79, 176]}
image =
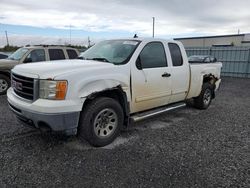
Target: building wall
{"type": "Point", "coordinates": [236, 40]}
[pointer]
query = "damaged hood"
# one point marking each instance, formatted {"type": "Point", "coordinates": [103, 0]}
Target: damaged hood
{"type": "Point", "coordinates": [52, 69]}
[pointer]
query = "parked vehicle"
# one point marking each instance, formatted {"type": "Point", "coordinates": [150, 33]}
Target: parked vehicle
{"type": "Point", "coordinates": [31, 54]}
{"type": "Point", "coordinates": [119, 82]}
{"type": "Point", "coordinates": [201, 59]}
{"type": "Point", "coordinates": [3, 55]}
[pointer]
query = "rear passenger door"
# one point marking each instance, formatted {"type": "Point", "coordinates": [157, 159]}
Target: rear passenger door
{"type": "Point", "coordinates": [72, 54]}
{"type": "Point", "coordinates": [151, 84]}
{"type": "Point", "coordinates": [180, 73]}
{"type": "Point", "coordinates": [56, 54]}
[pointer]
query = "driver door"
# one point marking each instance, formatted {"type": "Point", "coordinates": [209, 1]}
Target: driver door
{"type": "Point", "coordinates": [151, 78]}
{"type": "Point", "coordinates": [36, 55]}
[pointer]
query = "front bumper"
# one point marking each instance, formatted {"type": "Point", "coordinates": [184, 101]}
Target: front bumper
{"type": "Point", "coordinates": [66, 122]}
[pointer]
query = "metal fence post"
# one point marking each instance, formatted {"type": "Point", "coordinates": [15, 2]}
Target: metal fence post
{"type": "Point", "coordinates": [248, 65]}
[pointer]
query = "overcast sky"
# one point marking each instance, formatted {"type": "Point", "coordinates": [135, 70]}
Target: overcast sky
{"type": "Point", "coordinates": [49, 21]}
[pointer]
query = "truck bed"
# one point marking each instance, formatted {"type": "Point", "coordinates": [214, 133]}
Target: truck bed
{"type": "Point", "coordinates": [197, 71]}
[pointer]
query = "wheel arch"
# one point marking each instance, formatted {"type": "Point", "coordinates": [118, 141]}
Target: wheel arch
{"type": "Point", "coordinates": [5, 73]}
{"type": "Point", "coordinates": [115, 93]}
{"type": "Point", "coordinates": [210, 78]}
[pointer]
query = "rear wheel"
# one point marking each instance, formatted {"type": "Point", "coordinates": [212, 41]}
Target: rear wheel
{"type": "Point", "coordinates": [4, 84]}
{"type": "Point", "coordinates": [101, 121]}
{"type": "Point", "coordinates": [205, 98]}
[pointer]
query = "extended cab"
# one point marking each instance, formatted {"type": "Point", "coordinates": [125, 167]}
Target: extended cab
{"type": "Point", "coordinates": [118, 82]}
{"type": "Point", "coordinates": [31, 54]}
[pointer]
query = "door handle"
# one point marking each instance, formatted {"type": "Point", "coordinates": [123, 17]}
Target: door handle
{"type": "Point", "coordinates": [165, 74]}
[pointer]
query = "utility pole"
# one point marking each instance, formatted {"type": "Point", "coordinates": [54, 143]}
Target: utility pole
{"type": "Point", "coordinates": [6, 34]}
{"type": "Point", "coordinates": [70, 34]}
{"type": "Point", "coordinates": [88, 42]}
{"type": "Point", "coordinates": [153, 27]}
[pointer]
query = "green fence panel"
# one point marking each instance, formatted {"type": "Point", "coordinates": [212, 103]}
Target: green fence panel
{"type": "Point", "coordinates": [235, 60]}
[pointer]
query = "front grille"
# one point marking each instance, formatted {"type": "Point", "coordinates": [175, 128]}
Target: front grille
{"type": "Point", "coordinates": [23, 86]}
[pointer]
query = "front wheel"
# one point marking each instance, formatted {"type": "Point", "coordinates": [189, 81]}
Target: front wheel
{"type": "Point", "coordinates": [101, 121]}
{"type": "Point", "coordinates": [205, 98]}
{"type": "Point", "coordinates": [4, 84]}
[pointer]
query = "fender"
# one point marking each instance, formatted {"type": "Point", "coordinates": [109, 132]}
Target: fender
{"type": "Point", "coordinates": [97, 86]}
{"type": "Point", "coordinates": [101, 85]}
{"type": "Point", "coordinates": [109, 88]}
{"type": "Point", "coordinates": [5, 72]}
{"type": "Point", "coordinates": [208, 78]}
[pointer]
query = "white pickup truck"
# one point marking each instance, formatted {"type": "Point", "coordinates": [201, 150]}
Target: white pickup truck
{"type": "Point", "coordinates": [118, 82]}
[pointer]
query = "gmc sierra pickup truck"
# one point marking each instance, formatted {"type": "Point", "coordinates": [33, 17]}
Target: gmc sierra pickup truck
{"type": "Point", "coordinates": [118, 82]}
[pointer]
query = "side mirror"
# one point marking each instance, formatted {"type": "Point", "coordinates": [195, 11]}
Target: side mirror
{"type": "Point", "coordinates": [215, 60]}
{"type": "Point", "coordinates": [27, 60]}
{"type": "Point", "coordinates": [138, 63]}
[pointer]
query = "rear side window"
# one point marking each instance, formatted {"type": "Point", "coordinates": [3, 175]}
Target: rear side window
{"type": "Point", "coordinates": [72, 54]}
{"type": "Point", "coordinates": [2, 56]}
{"type": "Point", "coordinates": [175, 54]}
{"type": "Point", "coordinates": [153, 55]}
{"type": "Point", "coordinates": [56, 54]}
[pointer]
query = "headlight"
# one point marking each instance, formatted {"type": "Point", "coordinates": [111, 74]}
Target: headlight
{"type": "Point", "coordinates": [52, 89]}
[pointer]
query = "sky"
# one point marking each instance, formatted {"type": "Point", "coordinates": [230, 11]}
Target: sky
{"type": "Point", "coordinates": [72, 21]}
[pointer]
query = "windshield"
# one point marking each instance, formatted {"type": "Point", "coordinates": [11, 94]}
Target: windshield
{"type": "Point", "coordinates": [17, 55]}
{"type": "Point", "coordinates": [113, 51]}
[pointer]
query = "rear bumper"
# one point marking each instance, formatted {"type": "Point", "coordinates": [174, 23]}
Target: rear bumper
{"type": "Point", "coordinates": [217, 84]}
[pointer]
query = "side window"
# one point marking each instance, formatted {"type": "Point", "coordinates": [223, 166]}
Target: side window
{"type": "Point", "coordinates": [2, 56]}
{"type": "Point", "coordinates": [72, 54]}
{"type": "Point", "coordinates": [175, 54]}
{"type": "Point", "coordinates": [36, 56]}
{"type": "Point", "coordinates": [56, 54]}
{"type": "Point", "coordinates": [153, 55]}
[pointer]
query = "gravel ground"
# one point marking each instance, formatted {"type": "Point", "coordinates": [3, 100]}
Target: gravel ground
{"type": "Point", "coordinates": [183, 148]}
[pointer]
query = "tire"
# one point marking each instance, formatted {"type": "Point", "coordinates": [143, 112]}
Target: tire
{"type": "Point", "coordinates": [205, 98]}
{"type": "Point", "coordinates": [190, 102]}
{"type": "Point", "coordinates": [101, 121]}
{"type": "Point", "coordinates": [4, 84]}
